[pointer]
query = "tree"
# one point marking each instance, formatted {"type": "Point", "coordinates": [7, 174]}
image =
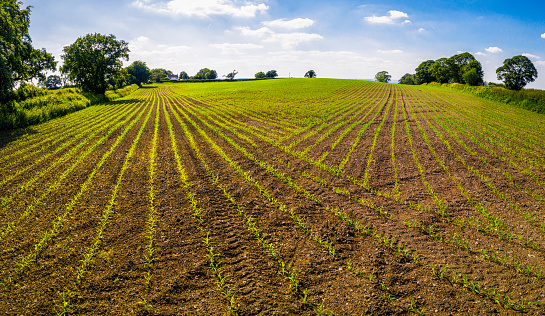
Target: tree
{"type": "Point", "coordinates": [120, 79]}
{"type": "Point", "coordinates": [517, 72]}
{"type": "Point", "coordinates": [52, 82]}
{"type": "Point", "coordinates": [93, 59]}
{"type": "Point", "coordinates": [183, 75]}
{"type": "Point", "coordinates": [19, 61]}
{"type": "Point", "coordinates": [408, 79]}
{"type": "Point", "coordinates": [260, 75]}
{"type": "Point", "coordinates": [231, 75]}
{"type": "Point", "coordinates": [159, 74]}
{"type": "Point", "coordinates": [310, 74]}
{"type": "Point", "coordinates": [271, 74]}
{"type": "Point", "coordinates": [440, 70]}
{"type": "Point", "coordinates": [139, 73]}
{"type": "Point", "coordinates": [464, 68]}
{"type": "Point", "coordinates": [423, 74]}
{"type": "Point", "coordinates": [206, 73]}
{"type": "Point", "coordinates": [383, 76]}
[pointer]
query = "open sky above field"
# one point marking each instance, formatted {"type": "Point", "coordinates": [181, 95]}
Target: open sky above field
{"type": "Point", "coordinates": [338, 39]}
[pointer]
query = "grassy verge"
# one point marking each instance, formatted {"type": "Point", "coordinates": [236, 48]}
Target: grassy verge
{"type": "Point", "coordinates": [51, 104]}
{"type": "Point", "coordinates": [529, 99]}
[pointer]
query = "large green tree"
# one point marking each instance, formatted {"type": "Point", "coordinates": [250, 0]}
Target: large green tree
{"type": "Point", "coordinates": [310, 74]}
{"type": "Point", "coordinates": [94, 59]}
{"type": "Point", "coordinates": [517, 72]}
{"type": "Point", "coordinates": [423, 74]}
{"type": "Point", "coordinates": [139, 73]}
{"type": "Point", "coordinates": [407, 79]}
{"type": "Point", "coordinates": [464, 68]}
{"type": "Point", "coordinates": [19, 61]}
{"type": "Point", "coordinates": [440, 70]}
{"type": "Point", "coordinates": [206, 73]}
{"type": "Point", "coordinates": [383, 76]}
{"type": "Point", "coordinates": [271, 74]}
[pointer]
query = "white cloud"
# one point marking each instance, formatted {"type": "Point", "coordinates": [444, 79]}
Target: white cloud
{"type": "Point", "coordinates": [391, 18]}
{"type": "Point", "coordinates": [230, 48]}
{"type": "Point", "coordinates": [540, 63]}
{"type": "Point", "coordinates": [392, 51]}
{"type": "Point", "coordinates": [262, 32]}
{"type": "Point", "coordinates": [493, 50]}
{"type": "Point", "coordinates": [421, 30]}
{"type": "Point", "coordinates": [143, 48]}
{"type": "Point", "coordinates": [543, 35]}
{"type": "Point", "coordinates": [407, 22]}
{"type": "Point", "coordinates": [287, 40]}
{"type": "Point", "coordinates": [480, 54]}
{"type": "Point", "coordinates": [531, 56]}
{"type": "Point", "coordinates": [291, 24]}
{"type": "Point", "coordinates": [202, 8]}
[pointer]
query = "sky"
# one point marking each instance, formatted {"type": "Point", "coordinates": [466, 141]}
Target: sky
{"type": "Point", "coordinates": [337, 39]}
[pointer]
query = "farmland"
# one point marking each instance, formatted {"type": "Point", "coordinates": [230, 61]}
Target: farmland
{"type": "Point", "coordinates": [276, 197]}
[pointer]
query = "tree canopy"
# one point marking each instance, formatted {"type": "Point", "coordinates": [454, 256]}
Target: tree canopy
{"type": "Point", "coordinates": [271, 74]}
{"type": "Point", "coordinates": [183, 75]}
{"type": "Point", "coordinates": [310, 74]}
{"type": "Point", "coordinates": [383, 76]}
{"type": "Point", "coordinates": [52, 82]}
{"type": "Point", "coordinates": [231, 75]}
{"type": "Point", "coordinates": [206, 73]}
{"type": "Point", "coordinates": [517, 72]}
{"type": "Point", "coordinates": [461, 68]}
{"type": "Point", "coordinates": [93, 59]}
{"type": "Point", "coordinates": [19, 61]}
{"type": "Point", "coordinates": [423, 73]}
{"type": "Point", "coordinates": [407, 79]}
{"type": "Point", "coordinates": [139, 73]}
{"type": "Point", "coordinates": [260, 75]}
{"type": "Point", "coordinates": [159, 74]}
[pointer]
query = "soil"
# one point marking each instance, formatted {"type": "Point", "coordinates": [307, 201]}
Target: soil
{"type": "Point", "coordinates": [364, 276]}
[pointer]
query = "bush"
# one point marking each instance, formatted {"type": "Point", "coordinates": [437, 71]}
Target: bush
{"type": "Point", "coordinates": [529, 99]}
{"type": "Point", "coordinates": [46, 105]}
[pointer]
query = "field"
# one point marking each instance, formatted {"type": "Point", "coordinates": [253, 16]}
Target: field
{"type": "Point", "coordinates": [276, 197]}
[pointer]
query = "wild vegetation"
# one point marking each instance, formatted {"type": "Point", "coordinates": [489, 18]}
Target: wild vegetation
{"type": "Point", "coordinates": [293, 196]}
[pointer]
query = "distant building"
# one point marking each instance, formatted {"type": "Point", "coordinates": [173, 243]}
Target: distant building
{"type": "Point", "coordinates": [173, 77]}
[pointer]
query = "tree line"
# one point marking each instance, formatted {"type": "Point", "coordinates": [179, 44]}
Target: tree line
{"type": "Point", "coordinates": [463, 68]}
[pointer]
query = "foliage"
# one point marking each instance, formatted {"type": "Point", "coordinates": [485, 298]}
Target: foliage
{"type": "Point", "coordinates": [41, 108]}
{"type": "Point", "coordinates": [119, 93]}
{"type": "Point", "coordinates": [440, 70]}
{"type": "Point", "coordinates": [271, 74]}
{"type": "Point", "coordinates": [119, 80]}
{"type": "Point", "coordinates": [383, 76]}
{"type": "Point", "coordinates": [139, 73]}
{"type": "Point", "coordinates": [529, 99]}
{"type": "Point", "coordinates": [19, 61]}
{"type": "Point", "coordinates": [231, 75]}
{"type": "Point", "coordinates": [183, 75]}
{"type": "Point", "coordinates": [310, 74]}
{"type": "Point", "coordinates": [464, 68]}
{"type": "Point", "coordinates": [408, 79]}
{"type": "Point", "coordinates": [423, 72]}
{"type": "Point", "coordinates": [260, 75]}
{"type": "Point", "coordinates": [517, 72]}
{"type": "Point", "coordinates": [93, 59]}
{"type": "Point", "coordinates": [52, 82]}
{"type": "Point", "coordinates": [206, 73]}
{"type": "Point", "coordinates": [159, 74]}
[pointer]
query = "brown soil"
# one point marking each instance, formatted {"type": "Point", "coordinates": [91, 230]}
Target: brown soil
{"type": "Point", "coordinates": [182, 280]}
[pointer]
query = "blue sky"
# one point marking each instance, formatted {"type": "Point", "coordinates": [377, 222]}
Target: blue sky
{"type": "Point", "coordinates": [338, 39]}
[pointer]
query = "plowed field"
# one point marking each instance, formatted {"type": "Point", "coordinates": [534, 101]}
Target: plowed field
{"type": "Point", "coordinates": [276, 197]}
